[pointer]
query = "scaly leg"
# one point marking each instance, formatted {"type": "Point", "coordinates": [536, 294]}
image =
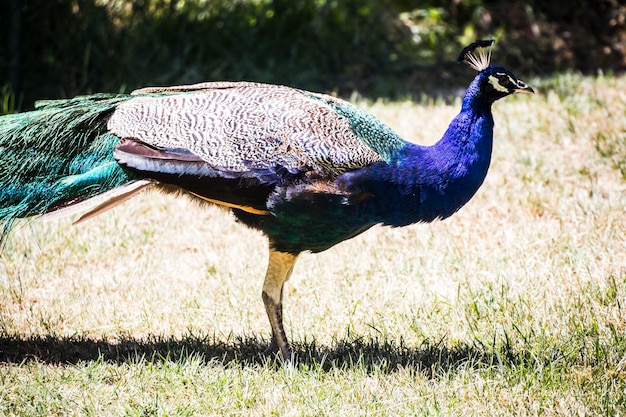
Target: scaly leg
{"type": "Point", "coordinates": [279, 269]}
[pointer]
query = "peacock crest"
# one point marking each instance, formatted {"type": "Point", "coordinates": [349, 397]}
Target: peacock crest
{"type": "Point", "coordinates": [477, 55]}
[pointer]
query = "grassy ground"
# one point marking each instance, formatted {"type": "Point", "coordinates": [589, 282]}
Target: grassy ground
{"type": "Point", "coordinates": [514, 306]}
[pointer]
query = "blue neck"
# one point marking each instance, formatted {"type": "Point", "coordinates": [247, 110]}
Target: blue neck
{"type": "Point", "coordinates": [423, 183]}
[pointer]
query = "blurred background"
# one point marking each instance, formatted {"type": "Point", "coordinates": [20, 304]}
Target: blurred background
{"type": "Point", "coordinates": [378, 48]}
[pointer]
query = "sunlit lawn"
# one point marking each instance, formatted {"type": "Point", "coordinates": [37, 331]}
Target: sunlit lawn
{"type": "Point", "coordinates": [514, 306]}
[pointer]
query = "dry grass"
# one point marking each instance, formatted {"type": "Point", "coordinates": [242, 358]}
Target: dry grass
{"type": "Point", "coordinates": [514, 306]}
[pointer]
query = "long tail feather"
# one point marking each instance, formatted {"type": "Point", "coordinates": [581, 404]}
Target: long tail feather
{"type": "Point", "coordinates": [56, 156]}
{"type": "Point", "coordinates": [94, 206]}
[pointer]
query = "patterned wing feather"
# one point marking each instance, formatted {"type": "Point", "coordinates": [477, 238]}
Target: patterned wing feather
{"type": "Point", "coordinates": [242, 127]}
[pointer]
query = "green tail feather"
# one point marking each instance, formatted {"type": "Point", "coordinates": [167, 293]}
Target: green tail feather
{"type": "Point", "coordinates": [57, 155]}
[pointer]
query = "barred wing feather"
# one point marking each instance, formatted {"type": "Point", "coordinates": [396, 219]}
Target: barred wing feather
{"type": "Point", "coordinates": [245, 127]}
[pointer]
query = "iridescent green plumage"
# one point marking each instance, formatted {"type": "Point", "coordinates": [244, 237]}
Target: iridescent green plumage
{"type": "Point", "coordinates": [371, 131]}
{"type": "Point", "coordinates": [57, 155]}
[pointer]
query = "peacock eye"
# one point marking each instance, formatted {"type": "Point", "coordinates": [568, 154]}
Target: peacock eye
{"type": "Point", "coordinates": [504, 80]}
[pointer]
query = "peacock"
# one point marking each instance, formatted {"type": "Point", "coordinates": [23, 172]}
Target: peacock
{"type": "Point", "coordinates": [308, 170]}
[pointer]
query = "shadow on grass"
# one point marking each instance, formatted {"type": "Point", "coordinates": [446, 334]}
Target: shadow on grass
{"type": "Point", "coordinates": [372, 355]}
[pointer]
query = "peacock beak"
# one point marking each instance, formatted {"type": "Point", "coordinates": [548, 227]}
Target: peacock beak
{"type": "Point", "coordinates": [522, 87]}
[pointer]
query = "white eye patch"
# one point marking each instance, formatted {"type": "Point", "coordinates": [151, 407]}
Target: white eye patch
{"type": "Point", "coordinates": [495, 83]}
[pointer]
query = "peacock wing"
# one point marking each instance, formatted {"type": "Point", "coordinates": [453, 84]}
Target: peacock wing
{"type": "Point", "coordinates": [247, 130]}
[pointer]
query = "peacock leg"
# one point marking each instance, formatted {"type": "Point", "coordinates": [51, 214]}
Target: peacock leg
{"type": "Point", "coordinates": [279, 269]}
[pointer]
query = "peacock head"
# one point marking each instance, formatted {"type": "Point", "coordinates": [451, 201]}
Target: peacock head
{"type": "Point", "coordinates": [492, 82]}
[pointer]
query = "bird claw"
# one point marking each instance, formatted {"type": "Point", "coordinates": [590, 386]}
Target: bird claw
{"type": "Point", "coordinates": [273, 351]}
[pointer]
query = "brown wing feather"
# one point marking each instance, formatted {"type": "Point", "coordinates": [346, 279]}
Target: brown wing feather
{"type": "Point", "coordinates": [242, 126]}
